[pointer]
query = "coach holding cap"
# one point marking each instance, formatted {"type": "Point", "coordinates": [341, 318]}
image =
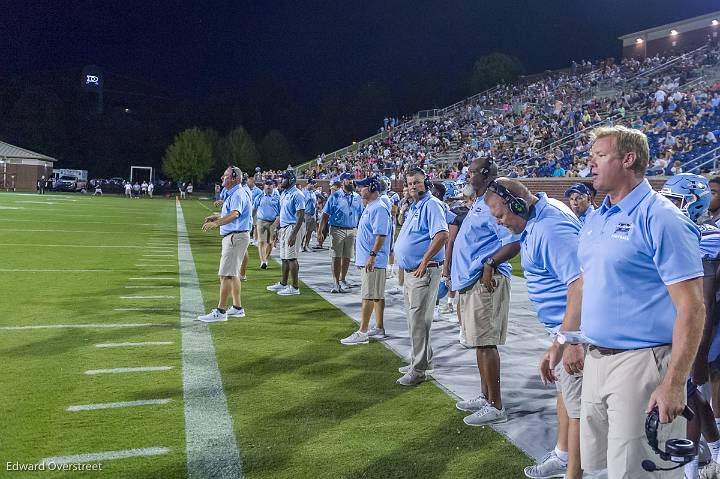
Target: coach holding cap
{"type": "Point", "coordinates": [642, 298]}
{"type": "Point", "coordinates": [548, 252]}
{"type": "Point", "coordinates": [235, 221]}
{"type": "Point", "coordinates": [579, 197]}
{"type": "Point", "coordinates": [420, 251]}
{"type": "Point", "coordinates": [342, 210]}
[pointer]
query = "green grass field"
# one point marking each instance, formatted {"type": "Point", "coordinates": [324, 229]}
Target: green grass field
{"type": "Point", "coordinates": [302, 405]}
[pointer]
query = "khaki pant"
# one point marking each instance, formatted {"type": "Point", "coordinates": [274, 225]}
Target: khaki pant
{"type": "Point", "coordinates": [372, 285]}
{"type": "Point", "coordinates": [420, 296]}
{"type": "Point", "coordinates": [615, 392]}
{"type": "Point", "coordinates": [485, 315]}
{"type": "Point", "coordinates": [265, 231]}
{"type": "Point", "coordinates": [570, 388]}
{"type": "Point", "coordinates": [287, 251]}
{"type": "Point", "coordinates": [234, 247]}
{"type": "Point", "coordinates": [343, 242]}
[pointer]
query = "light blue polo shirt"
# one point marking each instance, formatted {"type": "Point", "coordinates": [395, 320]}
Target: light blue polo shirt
{"type": "Point", "coordinates": [267, 206]}
{"type": "Point", "coordinates": [236, 199]}
{"type": "Point", "coordinates": [629, 253]}
{"type": "Point", "coordinates": [548, 254]}
{"type": "Point", "coordinates": [310, 203]}
{"type": "Point", "coordinates": [343, 209]}
{"type": "Point", "coordinates": [255, 192]}
{"type": "Point", "coordinates": [386, 201]}
{"type": "Point", "coordinates": [374, 221]}
{"type": "Point", "coordinates": [479, 238]}
{"type": "Point", "coordinates": [584, 216]}
{"type": "Point", "coordinates": [291, 201]}
{"type": "Point", "coordinates": [425, 218]}
{"type": "Point", "coordinates": [394, 197]}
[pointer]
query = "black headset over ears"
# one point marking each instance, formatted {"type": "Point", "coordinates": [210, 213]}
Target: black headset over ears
{"type": "Point", "coordinates": [234, 171]}
{"type": "Point", "coordinates": [517, 205]}
{"type": "Point", "coordinates": [417, 170]}
{"type": "Point", "coordinates": [490, 168]}
{"type": "Point", "coordinates": [679, 451]}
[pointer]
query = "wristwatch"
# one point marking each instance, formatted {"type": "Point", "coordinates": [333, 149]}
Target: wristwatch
{"type": "Point", "coordinates": [373, 253]}
{"type": "Point", "coordinates": [490, 261]}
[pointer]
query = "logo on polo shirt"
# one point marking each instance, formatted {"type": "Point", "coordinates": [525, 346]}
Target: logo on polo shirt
{"type": "Point", "coordinates": [622, 231]}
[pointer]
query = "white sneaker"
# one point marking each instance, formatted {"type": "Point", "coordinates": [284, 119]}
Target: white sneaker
{"type": "Point", "coordinates": [236, 312]}
{"type": "Point", "coordinates": [412, 378]}
{"type": "Point", "coordinates": [486, 415]}
{"type": "Point", "coordinates": [213, 316]}
{"type": "Point", "coordinates": [358, 337]}
{"type": "Point", "coordinates": [243, 278]}
{"type": "Point", "coordinates": [338, 289]}
{"type": "Point", "coordinates": [344, 285]}
{"type": "Point", "coordinates": [474, 404]}
{"type": "Point", "coordinates": [404, 369]}
{"type": "Point", "coordinates": [388, 273]}
{"type": "Point", "coordinates": [276, 287]}
{"type": "Point", "coordinates": [549, 466]}
{"type": "Point", "coordinates": [289, 291]}
{"type": "Point", "coordinates": [376, 332]}
{"type": "Point", "coordinates": [394, 290]}
{"type": "Point", "coordinates": [436, 313]}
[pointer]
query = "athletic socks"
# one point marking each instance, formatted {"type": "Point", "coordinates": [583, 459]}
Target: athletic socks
{"type": "Point", "coordinates": [562, 455]}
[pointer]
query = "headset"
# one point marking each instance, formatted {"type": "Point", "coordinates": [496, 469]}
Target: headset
{"type": "Point", "coordinates": [518, 206]}
{"type": "Point", "coordinates": [490, 168]}
{"type": "Point", "coordinates": [235, 172]}
{"type": "Point", "coordinates": [416, 170]}
{"type": "Point", "coordinates": [679, 451]}
{"type": "Point", "coordinates": [290, 176]}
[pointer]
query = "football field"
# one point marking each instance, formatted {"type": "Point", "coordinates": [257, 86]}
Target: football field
{"type": "Point", "coordinates": [102, 363]}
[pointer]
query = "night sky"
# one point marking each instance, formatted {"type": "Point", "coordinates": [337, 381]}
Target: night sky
{"type": "Point", "coordinates": [202, 48]}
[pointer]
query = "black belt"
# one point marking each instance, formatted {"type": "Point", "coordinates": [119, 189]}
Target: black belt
{"type": "Point", "coordinates": [614, 351]}
{"type": "Point", "coordinates": [343, 227]}
{"type": "Point", "coordinates": [431, 264]}
{"type": "Point", "coordinates": [235, 232]}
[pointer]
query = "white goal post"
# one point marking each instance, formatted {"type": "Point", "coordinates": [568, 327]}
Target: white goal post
{"type": "Point", "coordinates": [133, 168]}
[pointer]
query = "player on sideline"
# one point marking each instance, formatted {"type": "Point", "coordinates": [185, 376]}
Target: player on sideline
{"type": "Point", "coordinates": [234, 223]}
{"type": "Point", "coordinates": [548, 253]}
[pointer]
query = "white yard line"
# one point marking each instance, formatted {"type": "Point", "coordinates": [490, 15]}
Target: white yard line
{"type": "Point", "coordinates": [38, 245]}
{"type": "Point", "coordinates": [144, 309]}
{"type": "Point", "coordinates": [211, 447]}
{"type": "Point", "coordinates": [105, 456]}
{"type": "Point", "coordinates": [145, 369]}
{"type": "Point", "coordinates": [22, 270]}
{"type": "Point", "coordinates": [70, 326]}
{"type": "Point", "coordinates": [114, 405]}
{"type": "Point", "coordinates": [159, 278]}
{"type": "Point", "coordinates": [149, 287]}
{"type": "Point", "coordinates": [130, 345]}
{"type": "Point", "coordinates": [148, 297]}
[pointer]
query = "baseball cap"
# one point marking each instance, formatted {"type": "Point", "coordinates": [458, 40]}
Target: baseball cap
{"type": "Point", "coordinates": [577, 188]}
{"type": "Point", "coordinates": [346, 176]}
{"type": "Point", "coordinates": [372, 181]}
{"type": "Point", "coordinates": [269, 182]}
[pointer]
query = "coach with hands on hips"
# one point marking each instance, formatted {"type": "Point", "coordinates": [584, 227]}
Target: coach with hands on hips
{"type": "Point", "coordinates": [642, 298]}
{"type": "Point", "coordinates": [548, 252]}
{"type": "Point", "coordinates": [234, 221]}
{"type": "Point", "coordinates": [420, 251]}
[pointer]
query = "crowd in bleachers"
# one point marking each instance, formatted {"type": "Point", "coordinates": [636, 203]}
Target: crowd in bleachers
{"type": "Point", "coordinates": [540, 128]}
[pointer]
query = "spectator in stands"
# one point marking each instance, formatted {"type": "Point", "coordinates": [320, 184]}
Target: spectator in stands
{"type": "Point", "coordinates": [579, 197]}
{"type": "Point", "coordinates": [342, 212]}
{"type": "Point", "coordinates": [372, 248]}
{"type": "Point", "coordinates": [559, 170]}
{"type": "Point", "coordinates": [548, 254]}
{"type": "Point", "coordinates": [266, 208]}
{"type": "Point", "coordinates": [676, 168]}
{"type": "Point", "coordinates": [419, 250]}
{"type": "Point", "coordinates": [234, 224]}
{"type": "Point", "coordinates": [480, 273]}
{"type": "Point", "coordinates": [629, 367]}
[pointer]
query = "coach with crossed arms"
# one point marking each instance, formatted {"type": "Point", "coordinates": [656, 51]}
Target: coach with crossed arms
{"type": "Point", "coordinates": [420, 251]}
{"type": "Point", "coordinates": [642, 299]}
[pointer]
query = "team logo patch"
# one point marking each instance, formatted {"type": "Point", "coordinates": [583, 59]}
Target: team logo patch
{"type": "Point", "coordinates": [622, 231]}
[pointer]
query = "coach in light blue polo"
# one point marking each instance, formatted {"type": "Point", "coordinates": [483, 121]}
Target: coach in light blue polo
{"type": "Point", "coordinates": [639, 258]}
{"type": "Point", "coordinates": [344, 207]}
{"type": "Point", "coordinates": [425, 218]}
{"type": "Point", "coordinates": [267, 205]}
{"type": "Point", "coordinates": [374, 221]}
{"type": "Point", "coordinates": [291, 200]}
{"type": "Point", "coordinates": [236, 199]}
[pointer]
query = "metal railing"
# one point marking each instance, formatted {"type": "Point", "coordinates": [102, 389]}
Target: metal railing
{"type": "Point", "coordinates": [715, 152]}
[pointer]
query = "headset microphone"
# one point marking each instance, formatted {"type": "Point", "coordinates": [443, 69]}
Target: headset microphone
{"type": "Point", "coordinates": [679, 451]}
